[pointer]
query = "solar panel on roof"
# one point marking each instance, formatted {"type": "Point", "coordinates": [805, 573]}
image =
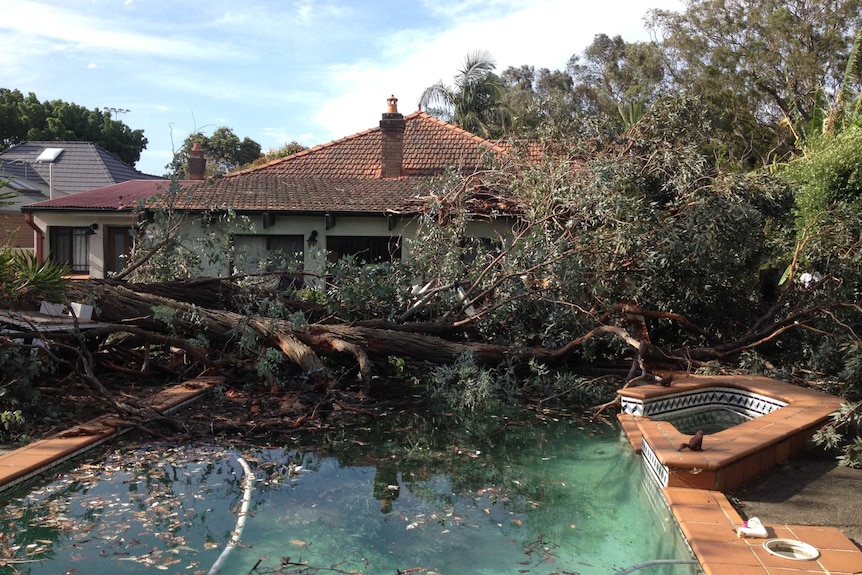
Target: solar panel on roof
{"type": "Point", "coordinates": [48, 155]}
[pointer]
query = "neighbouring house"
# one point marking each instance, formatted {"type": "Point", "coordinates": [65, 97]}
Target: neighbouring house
{"type": "Point", "coordinates": [38, 171]}
{"type": "Point", "coordinates": [351, 196]}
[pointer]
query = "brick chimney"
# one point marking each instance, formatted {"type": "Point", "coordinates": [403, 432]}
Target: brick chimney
{"type": "Point", "coordinates": [392, 135]}
{"type": "Point", "coordinates": [197, 163]}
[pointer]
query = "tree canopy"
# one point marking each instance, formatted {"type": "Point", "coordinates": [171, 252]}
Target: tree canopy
{"type": "Point", "coordinates": [474, 102]}
{"type": "Point", "coordinates": [223, 150]}
{"type": "Point", "coordinates": [26, 119]}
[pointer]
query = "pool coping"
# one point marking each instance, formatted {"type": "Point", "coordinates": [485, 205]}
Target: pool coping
{"type": "Point", "coordinates": [35, 458]}
{"type": "Point", "coordinates": [696, 481]}
{"type": "Point", "coordinates": [737, 455]}
{"type": "Point", "coordinates": [708, 522]}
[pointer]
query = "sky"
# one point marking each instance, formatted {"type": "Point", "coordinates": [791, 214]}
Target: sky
{"type": "Point", "coordinates": [279, 71]}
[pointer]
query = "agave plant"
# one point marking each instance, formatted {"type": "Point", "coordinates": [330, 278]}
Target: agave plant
{"type": "Point", "coordinates": [23, 279]}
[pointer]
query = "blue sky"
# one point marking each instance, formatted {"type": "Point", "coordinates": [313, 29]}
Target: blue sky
{"type": "Point", "coordinates": [278, 71]}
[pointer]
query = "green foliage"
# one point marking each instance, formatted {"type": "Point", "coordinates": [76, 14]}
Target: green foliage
{"type": "Point", "coordinates": [359, 290]}
{"type": "Point", "coordinates": [268, 361]}
{"type": "Point", "coordinates": [224, 152]}
{"type": "Point", "coordinates": [24, 281]}
{"type": "Point", "coordinates": [20, 371]}
{"type": "Point", "coordinates": [757, 62]}
{"type": "Point", "coordinates": [26, 118]}
{"type": "Point", "coordinates": [174, 244]}
{"type": "Point", "coordinates": [539, 98]}
{"type": "Point", "coordinates": [277, 153]}
{"type": "Point", "coordinates": [844, 434]}
{"type": "Point", "coordinates": [474, 102]}
{"type": "Point", "coordinates": [466, 387]}
{"type": "Point", "coordinates": [614, 75]}
{"type": "Point", "coordinates": [829, 173]}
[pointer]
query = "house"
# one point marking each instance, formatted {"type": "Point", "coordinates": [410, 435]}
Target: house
{"type": "Point", "coordinates": [351, 196]}
{"type": "Point", "coordinates": [42, 170]}
{"type": "Point", "coordinates": [91, 231]}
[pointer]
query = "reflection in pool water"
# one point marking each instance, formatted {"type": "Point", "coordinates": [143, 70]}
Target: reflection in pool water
{"type": "Point", "coordinates": [544, 496]}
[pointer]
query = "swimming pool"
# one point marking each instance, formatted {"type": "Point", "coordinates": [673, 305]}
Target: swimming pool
{"type": "Point", "coordinates": [548, 495]}
{"type": "Point", "coordinates": [709, 419]}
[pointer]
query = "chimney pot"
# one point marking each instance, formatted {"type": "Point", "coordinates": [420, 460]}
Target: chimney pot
{"type": "Point", "coordinates": [392, 105]}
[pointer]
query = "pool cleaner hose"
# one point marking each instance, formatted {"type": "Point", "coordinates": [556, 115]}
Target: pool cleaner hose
{"type": "Point", "coordinates": [248, 479]}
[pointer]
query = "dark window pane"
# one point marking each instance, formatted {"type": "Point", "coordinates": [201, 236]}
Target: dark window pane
{"type": "Point", "coordinates": [71, 246]}
{"type": "Point", "coordinates": [368, 249]}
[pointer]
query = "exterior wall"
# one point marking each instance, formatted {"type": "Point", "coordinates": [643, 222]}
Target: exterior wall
{"type": "Point", "coordinates": [97, 246]}
{"type": "Point", "coordinates": [314, 257]}
{"type": "Point", "coordinates": [15, 232]}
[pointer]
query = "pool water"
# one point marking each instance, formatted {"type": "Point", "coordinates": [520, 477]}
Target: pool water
{"type": "Point", "coordinates": [708, 419]}
{"type": "Point", "coordinates": [540, 495]}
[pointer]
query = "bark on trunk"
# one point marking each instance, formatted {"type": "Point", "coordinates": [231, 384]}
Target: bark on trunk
{"type": "Point", "coordinates": [133, 304]}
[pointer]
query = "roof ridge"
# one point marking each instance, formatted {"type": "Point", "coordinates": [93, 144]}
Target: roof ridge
{"type": "Point", "coordinates": [103, 164]}
{"type": "Point", "coordinates": [418, 114]}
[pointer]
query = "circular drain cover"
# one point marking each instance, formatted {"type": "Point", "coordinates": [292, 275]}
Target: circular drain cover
{"type": "Point", "coordinates": [791, 549]}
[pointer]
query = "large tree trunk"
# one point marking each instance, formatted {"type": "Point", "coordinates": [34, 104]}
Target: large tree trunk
{"type": "Point", "coordinates": [133, 304]}
{"type": "Point", "coordinates": [126, 305]}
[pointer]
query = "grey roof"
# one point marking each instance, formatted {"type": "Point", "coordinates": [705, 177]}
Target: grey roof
{"type": "Point", "coordinates": [79, 167]}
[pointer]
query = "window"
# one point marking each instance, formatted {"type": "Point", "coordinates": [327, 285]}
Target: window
{"type": "Point", "coordinates": [119, 247]}
{"type": "Point", "coordinates": [271, 253]}
{"type": "Point", "coordinates": [71, 246]}
{"type": "Point", "coordinates": [367, 249]}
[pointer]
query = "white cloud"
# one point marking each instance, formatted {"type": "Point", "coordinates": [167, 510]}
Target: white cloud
{"type": "Point", "coordinates": [68, 28]}
{"type": "Point", "coordinates": [543, 34]}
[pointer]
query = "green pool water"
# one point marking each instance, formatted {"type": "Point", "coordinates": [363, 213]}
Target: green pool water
{"type": "Point", "coordinates": [539, 495]}
{"type": "Point", "coordinates": [708, 419]}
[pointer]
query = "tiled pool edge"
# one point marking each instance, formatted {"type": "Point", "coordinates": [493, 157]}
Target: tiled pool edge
{"type": "Point", "coordinates": [708, 521]}
{"type": "Point", "coordinates": [790, 415]}
{"type": "Point", "coordinates": [703, 513]}
{"type": "Point", "coordinates": [35, 458]}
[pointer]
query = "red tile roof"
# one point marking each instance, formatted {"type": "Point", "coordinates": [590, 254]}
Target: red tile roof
{"type": "Point", "coordinates": [123, 196]}
{"type": "Point", "coordinates": [344, 175]}
{"type": "Point", "coordinates": [340, 176]}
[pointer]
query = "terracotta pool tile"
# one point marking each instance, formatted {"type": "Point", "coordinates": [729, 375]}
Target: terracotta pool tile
{"type": "Point", "coordinates": [733, 457]}
{"type": "Point", "coordinates": [773, 561]}
{"type": "Point", "coordinates": [691, 478]}
{"type": "Point", "coordinates": [822, 537]}
{"type": "Point", "coordinates": [751, 467]}
{"type": "Point", "coordinates": [690, 496]}
{"type": "Point", "coordinates": [841, 561]}
{"type": "Point", "coordinates": [734, 471]}
{"type": "Point", "coordinates": [775, 532]}
{"type": "Point", "coordinates": [729, 569]}
{"type": "Point", "coordinates": [799, 441]}
{"type": "Point", "coordinates": [701, 514]}
{"type": "Point", "coordinates": [712, 551]}
{"type": "Point", "coordinates": [782, 451]}
{"type": "Point", "coordinates": [794, 571]}
{"type": "Point", "coordinates": [712, 532]}
{"type": "Point", "coordinates": [767, 459]}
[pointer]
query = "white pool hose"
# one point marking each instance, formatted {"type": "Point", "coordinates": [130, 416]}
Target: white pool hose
{"type": "Point", "coordinates": [248, 478]}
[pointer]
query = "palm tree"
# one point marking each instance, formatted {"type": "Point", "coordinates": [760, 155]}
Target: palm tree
{"type": "Point", "coordinates": [474, 102]}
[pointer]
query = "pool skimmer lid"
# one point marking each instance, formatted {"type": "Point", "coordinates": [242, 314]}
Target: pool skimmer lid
{"type": "Point", "coordinates": [791, 549]}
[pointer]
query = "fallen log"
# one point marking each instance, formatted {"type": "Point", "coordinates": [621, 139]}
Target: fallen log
{"type": "Point", "coordinates": [138, 305]}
